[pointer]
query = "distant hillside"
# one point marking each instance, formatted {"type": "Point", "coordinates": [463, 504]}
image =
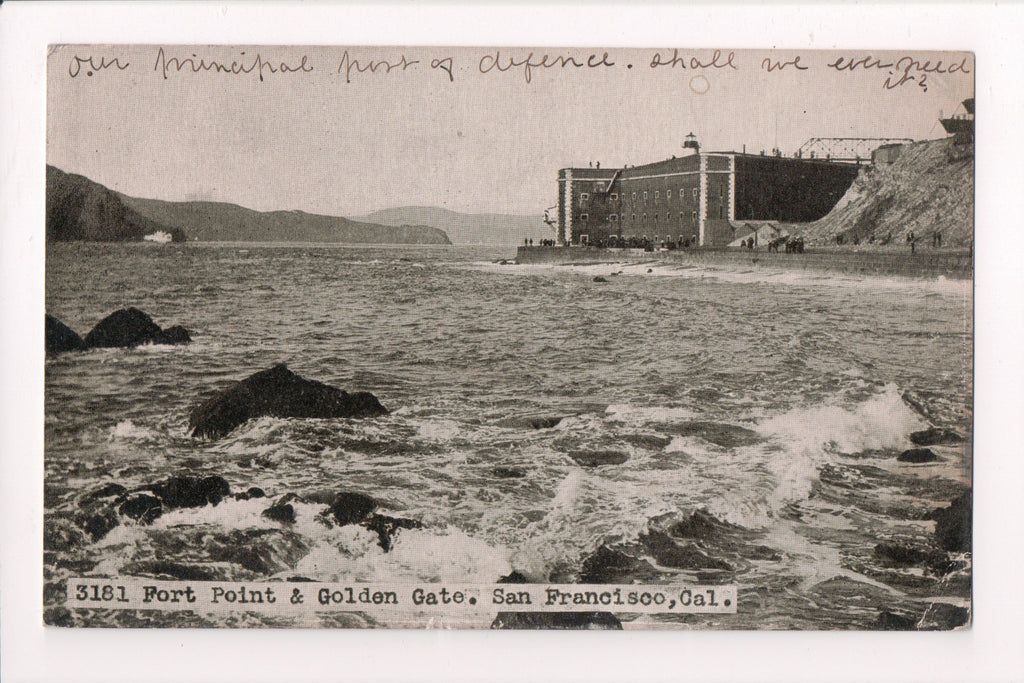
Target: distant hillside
{"type": "Point", "coordinates": [924, 190]}
{"type": "Point", "coordinates": [80, 209]}
{"type": "Point", "coordinates": [219, 221]}
{"type": "Point", "coordinates": [465, 228]}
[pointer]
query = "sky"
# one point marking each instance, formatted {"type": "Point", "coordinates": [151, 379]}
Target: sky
{"type": "Point", "coordinates": [332, 130]}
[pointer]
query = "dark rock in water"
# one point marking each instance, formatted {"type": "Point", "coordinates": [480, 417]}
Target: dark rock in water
{"type": "Point", "coordinates": [718, 433]}
{"type": "Point", "coordinates": [935, 435]}
{"type": "Point", "coordinates": [109, 490]}
{"type": "Point", "coordinates": [537, 422]}
{"type": "Point", "coordinates": [350, 508]}
{"type": "Point", "coordinates": [515, 576]}
{"type": "Point", "coordinates": [588, 621]}
{"type": "Point", "coordinates": [252, 492]}
{"type": "Point", "coordinates": [598, 278]}
{"type": "Point", "coordinates": [953, 524]}
{"type": "Point", "coordinates": [58, 616]}
{"type": "Point", "coordinates": [300, 579]}
{"type": "Point", "coordinates": [60, 337]}
{"type": "Point", "coordinates": [917, 455]}
{"type": "Point", "coordinates": [174, 570]}
{"type": "Point", "coordinates": [890, 621]}
{"type": "Point", "coordinates": [173, 335]}
{"type": "Point", "coordinates": [606, 565]}
{"type": "Point", "coordinates": [699, 525]}
{"type": "Point", "coordinates": [278, 392]}
{"type": "Point", "coordinates": [596, 458]}
{"type": "Point", "coordinates": [191, 492]}
{"type": "Point", "coordinates": [386, 526]}
{"type": "Point", "coordinates": [902, 555]}
{"type": "Point", "coordinates": [126, 327]}
{"type": "Point", "coordinates": [97, 523]}
{"type": "Point", "coordinates": [508, 472]}
{"type": "Point", "coordinates": [941, 616]}
{"type": "Point", "coordinates": [669, 554]}
{"type": "Point", "coordinates": [61, 535]}
{"type": "Point", "coordinates": [142, 508]}
{"type": "Point", "coordinates": [280, 512]}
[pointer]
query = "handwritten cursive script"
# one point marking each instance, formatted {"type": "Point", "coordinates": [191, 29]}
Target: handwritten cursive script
{"type": "Point", "coordinates": [255, 64]}
{"type": "Point", "coordinates": [489, 62]}
{"type": "Point", "coordinates": [92, 66]}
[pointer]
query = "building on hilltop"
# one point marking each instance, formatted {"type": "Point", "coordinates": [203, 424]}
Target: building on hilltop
{"type": "Point", "coordinates": [695, 199]}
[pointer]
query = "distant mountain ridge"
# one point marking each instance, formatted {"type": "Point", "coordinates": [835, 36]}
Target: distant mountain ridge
{"type": "Point", "coordinates": [467, 228]}
{"type": "Point", "coordinates": [78, 208]}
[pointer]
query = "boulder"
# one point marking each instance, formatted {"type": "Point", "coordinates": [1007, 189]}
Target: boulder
{"type": "Point", "coordinates": [609, 565]}
{"type": "Point", "coordinates": [953, 524]}
{"type": "Point", "coordinates": [142, 508]}
{"type": "Point", "coordinates": [60, 337]}
{"type": "Point", "coordinates": [283, 513]}
{"type": "Point", "coordinates": [189, 492]}
{"type": "Point", "coordinates": [935, 435]}
{"type": "Point", "coordinates": [125, 327]}
{"type": "Point", "coordinates": [596, 458]}
{"type": "Point", "coordinates": [108, 490]}
{"type": "Point", "coordinates": [534, 422]}
{"type": "Point", "coordinates": [173, 335]}
{"type": "Point", "coordinates": [598, 278]}
{"type": "Point", "coordinates": [350, 508]}
{"type": "Point", "coordinates": [669, 554]}
{"type": "Point", "coordinates": [385, 527]}
{"type": "Point", "coordinates": [917, 455]}
{"type": "Point", "coordinates": [252, 492]}
{"type": "Point", "coordinates": [97, 523]}
{"type": "Point", "coordinates": [278, 392]}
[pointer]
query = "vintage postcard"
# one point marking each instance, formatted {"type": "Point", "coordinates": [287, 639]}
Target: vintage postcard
{"type": "Point", "coordinates": [508, 337]}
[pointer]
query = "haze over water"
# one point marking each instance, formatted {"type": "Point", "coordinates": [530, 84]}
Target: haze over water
{"type": "Point", "coordinates": [775, 401]}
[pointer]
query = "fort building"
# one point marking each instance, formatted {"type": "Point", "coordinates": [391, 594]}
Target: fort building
{"type": "Point", "coordinates": [698, 199]}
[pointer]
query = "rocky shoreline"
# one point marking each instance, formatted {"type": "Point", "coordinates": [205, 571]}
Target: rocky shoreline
{"type": "Point", "coordinates": [949, 263]}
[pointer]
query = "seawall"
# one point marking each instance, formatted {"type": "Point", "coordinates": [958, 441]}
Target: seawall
{"type": "Point", "coordinates": [950, 263]}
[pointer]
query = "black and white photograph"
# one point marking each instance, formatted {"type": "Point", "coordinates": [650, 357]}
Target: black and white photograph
{"type": "Point", "coordinates": [607, 333]}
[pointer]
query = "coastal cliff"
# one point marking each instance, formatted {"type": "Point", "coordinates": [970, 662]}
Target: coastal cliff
{"type": "Point", "coordinates": [929, 188]}
{"type": "Point", "coordinates": [79, 209]}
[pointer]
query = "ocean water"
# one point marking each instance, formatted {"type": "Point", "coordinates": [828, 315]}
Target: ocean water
{"type": "Point", "coordinates": [773, 401]}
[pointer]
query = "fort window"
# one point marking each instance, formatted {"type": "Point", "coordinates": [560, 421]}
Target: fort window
{"type": "Point", "coordinates": [634, 196]}
{"type": "Point", "coordinates": [584, 196]}
{"type": "Point", "coordinates": [668, 194]}
{"type": "Point", "coordinates": [695, 193]}
{"type": "Point", "coordinates": [584, 216]}
{"type": "Point", "coordinates": [614, 196]}
{"type": "Point", "coordinates": [634, 218]}
{"type": "Point", "coordinates": [657, 195]}
{"type": "Point", "coordinates": [693, 217]}
{"type": "Point", "coordinates": [613, 218]}
{"type": "Point", "coordinates": [645, 218]}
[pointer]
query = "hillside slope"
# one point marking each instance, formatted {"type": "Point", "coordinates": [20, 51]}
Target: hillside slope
{"type": "Point", "coordinates": [79, 209]}
{"type": "Point", "coordinates": [922, 191]}
{"type": "Point", "coordinates": [466, 228]}
{"type": "Point", "coordinates": [220, 221]}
